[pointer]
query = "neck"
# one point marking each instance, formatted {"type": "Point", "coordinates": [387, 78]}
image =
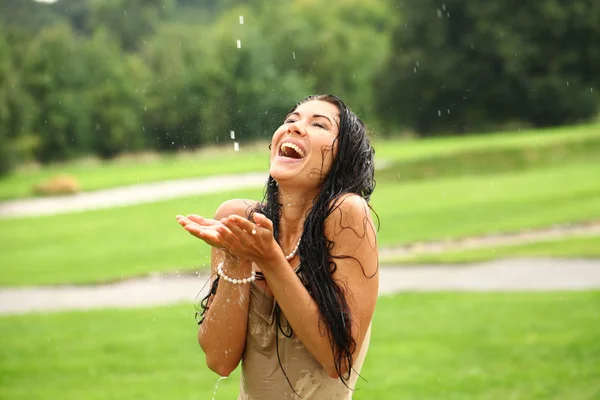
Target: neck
{"type": "Point", "coordinates": [295, 203]}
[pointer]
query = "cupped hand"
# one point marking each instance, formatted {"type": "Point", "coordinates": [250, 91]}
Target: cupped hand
{"type": "Point", "coordinates": [246, 239]}
{"type": "Point", "coordinates": [202, 228]}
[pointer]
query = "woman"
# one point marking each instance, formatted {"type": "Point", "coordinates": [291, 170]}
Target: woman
{"type": "Point", "coordinates": [296, 276]}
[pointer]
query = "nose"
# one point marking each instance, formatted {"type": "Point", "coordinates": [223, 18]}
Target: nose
{"type": "Point", "coordinates": [295, 129]}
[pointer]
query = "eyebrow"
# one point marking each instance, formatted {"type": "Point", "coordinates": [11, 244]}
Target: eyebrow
{"type": "Point", "coordinates": [314, 116]}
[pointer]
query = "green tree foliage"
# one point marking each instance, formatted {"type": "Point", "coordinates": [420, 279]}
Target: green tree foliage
{"type": "Point", "coordinates": [462, 65]}
{"type": "Point", "coordinates": [107, 76]}
{"type": "Point", "coordinates": [130, 21]}
{"type": "Point", "coordinates": [113, 97]}
{"type": "Point", "coordinates": [52, 75]}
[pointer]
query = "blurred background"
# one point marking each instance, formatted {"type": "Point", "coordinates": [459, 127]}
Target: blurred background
{"type": "Point", "coordinates": [117, 115]}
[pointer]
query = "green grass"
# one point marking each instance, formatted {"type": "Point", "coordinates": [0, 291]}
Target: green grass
{"type": "Point", "coordinates": [416, 157]}
{"type": "Point", "coordinates": [530, 138]}
{"type": "Point", "coordinates": [102, 175]}
{"type": "Point", "coordinates": [575, 247]}
{"type": "Point", "coordinates": [116, 243]}
{"type": "Point", "coordinates": [423, 346]}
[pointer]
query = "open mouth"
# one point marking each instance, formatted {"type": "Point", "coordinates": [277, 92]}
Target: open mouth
{"type": "Point", "coordinates": [291, 150]}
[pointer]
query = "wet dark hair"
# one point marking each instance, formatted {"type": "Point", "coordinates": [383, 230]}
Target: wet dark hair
{"type": "Point", "coordinates": [352, 172]}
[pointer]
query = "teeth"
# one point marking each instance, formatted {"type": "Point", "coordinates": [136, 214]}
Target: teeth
{"type": "Point", "coordinates": [293, 146]}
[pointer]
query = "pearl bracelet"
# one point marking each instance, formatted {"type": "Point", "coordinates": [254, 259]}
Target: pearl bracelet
{"type": "Point", "coordinates": [234, 281]}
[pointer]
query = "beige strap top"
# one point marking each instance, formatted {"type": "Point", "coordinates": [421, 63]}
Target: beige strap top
{"type": "Point", "coordinates": [262, 377]}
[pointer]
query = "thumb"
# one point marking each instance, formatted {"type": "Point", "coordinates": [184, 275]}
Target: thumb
{"type": "Point", "coordinates": [263, 221]}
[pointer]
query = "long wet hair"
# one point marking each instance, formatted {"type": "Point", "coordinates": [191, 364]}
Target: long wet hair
{"type": "Point", "coordinates": [352, 172]}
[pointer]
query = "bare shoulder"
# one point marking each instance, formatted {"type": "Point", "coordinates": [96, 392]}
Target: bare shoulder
{"type": "Point", "coordinates": [349, 210]}
{"type": "Point", "coordinates": [350, 225]}
{"type": "Point", "coordinates": [241, 207]}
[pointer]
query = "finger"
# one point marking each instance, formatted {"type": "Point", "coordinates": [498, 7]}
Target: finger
{"type": "Point", "coordinates": [242, 223]}
{"type": "Point", "coordinates": [208, 235]}
{"type": "Point", "coordinates": [228, 240]}
{"type": "Point", "coordinates": [239, 230]}
{"type": "Point", "coordinates": [263, 221]}
{"type": "Point", "coordinates": [226, 232]}
{"type": "Point", "coordinates": [183, 221]}
{"type": "Point", "coordinates": [201, 220]}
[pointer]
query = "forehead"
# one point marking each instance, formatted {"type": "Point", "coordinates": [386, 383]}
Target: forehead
{"type": "Point", "coordinates": [318, 107]}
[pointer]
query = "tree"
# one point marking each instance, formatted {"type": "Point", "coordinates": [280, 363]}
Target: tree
{"type": "Point", "coordinates": [51, 73]}
{"type": "Point", "coordinates": [460, 65]}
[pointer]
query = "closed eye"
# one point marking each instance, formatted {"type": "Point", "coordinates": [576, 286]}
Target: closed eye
{"type": "Point", "coordinates": [289, 121]}
{"type": "Point", "coordinates": [320, 125]}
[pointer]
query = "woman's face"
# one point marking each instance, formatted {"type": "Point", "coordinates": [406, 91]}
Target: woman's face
{"type": "Point", "coordinates": [302, 148]}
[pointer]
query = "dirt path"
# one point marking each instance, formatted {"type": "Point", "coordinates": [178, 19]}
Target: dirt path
{"type": "Point", "coordinates": [129, 195]}
{"type": "Point", "coordinates": [505, 275]}
{"type": "Point", "coordinates": [477, 242]}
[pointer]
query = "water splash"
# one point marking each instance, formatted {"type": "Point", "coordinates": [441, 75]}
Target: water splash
{"type": "Point", "coordinates": [217, 386]}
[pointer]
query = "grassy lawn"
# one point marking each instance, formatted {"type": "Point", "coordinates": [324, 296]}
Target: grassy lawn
{"type": "Point", "coordinates": [575, 247]}
{"type": "Point", "coordinates": [423, 346]}
{"type": "Point", "coordinates": [408, 155]}
{"type": "Point", "coordinates": [102, 175]}
{"type": "Point", "coordinates": [115, 243]}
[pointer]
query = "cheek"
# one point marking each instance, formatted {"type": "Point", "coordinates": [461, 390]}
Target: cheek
{"type": "Point", "coordinates": [275, 139]}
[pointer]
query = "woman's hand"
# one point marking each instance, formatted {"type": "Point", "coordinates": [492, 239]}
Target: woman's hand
{"type": "Point", "coordinates": [247, 240]}
{"type": "Point", "coordinates": [202, 228]}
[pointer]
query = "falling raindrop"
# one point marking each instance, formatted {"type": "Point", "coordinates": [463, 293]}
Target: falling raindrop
{"type": "Point", "coordinates": [241, 20]}
{"type": "Point", "coordinates": [294, 54]}
{"type": "Point", "coordinates": [439, 113]}
{"type": "Point", "coordinates": [239, 44]}
{"type": "Point", "coordinates": [232, 134]}
{"type": "Point", "coordinates": [439, 13]}
{"type": "Point", "coordinates": [415, 69]}
{"type": "Point", "coordinates": [236, 146]}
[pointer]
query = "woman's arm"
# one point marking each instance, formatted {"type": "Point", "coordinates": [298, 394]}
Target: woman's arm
{"type": "Point", "coordinates": [350, 227]}
{"type": "Point", "coordinates": [222, 334]}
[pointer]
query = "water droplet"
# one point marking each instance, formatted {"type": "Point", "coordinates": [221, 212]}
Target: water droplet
{"type": "Point", "coordinates": [239, 44]}
{"type": "Point", "coordinates": [241, 20]}
{"type": "Point", "coordinates": [217, 385]}
{"type": "Point", "coordinates": [439, 113]}
{"type": "Point", "coordinates": [444, 7]}
{"type": "Point", "coordinates": [294, 54]}
{"type": "Point", "coordinates": [232, 134]}
{"type": "Point", "coordinates": [236, 146]}
{"type": "Point", "coordinates": [415, 69]}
